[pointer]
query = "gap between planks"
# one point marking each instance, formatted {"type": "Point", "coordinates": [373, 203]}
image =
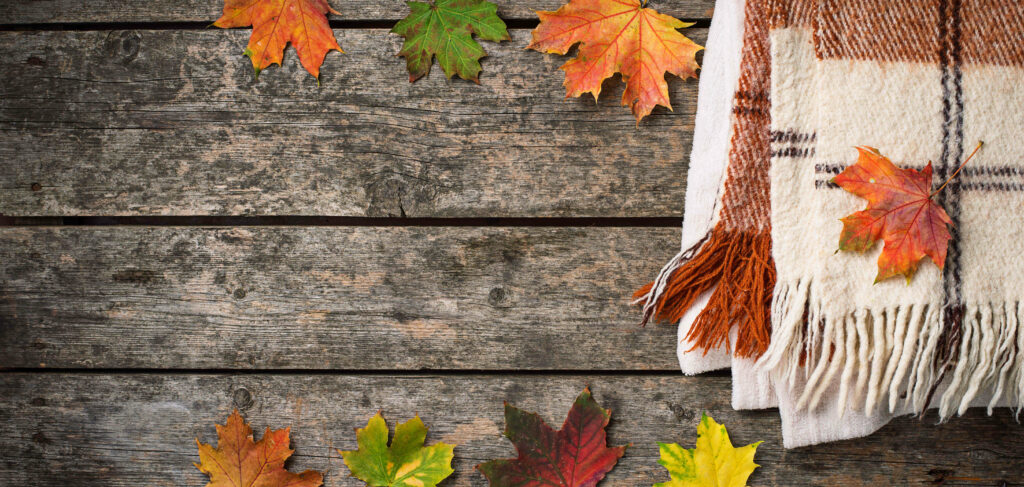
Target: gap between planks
{"type": "Point", "coordinates": [338, 221]}
{"type": "Point", "coordinates": [366, 373]}
{"type": "Point", "coordinates": [511, 23]}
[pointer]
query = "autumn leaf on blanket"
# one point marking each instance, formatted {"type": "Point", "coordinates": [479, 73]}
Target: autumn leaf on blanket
{"type": "Point", "coordinates": [618, 36]}
{"type": "Point", "coordinates": [238, 461]}
{"type": "Point", "coordinates": [275, 23]}
{"type": "Point", "coordinates": [405, 463]}
{"type": "Point", "coordinates": [445, 29]}
{"type": "Point", "coordinates": [575, 456]}
{"type": "Point", "coordinates": [901, 211]}
{"type": "Point", "coordinates": [713, 463]}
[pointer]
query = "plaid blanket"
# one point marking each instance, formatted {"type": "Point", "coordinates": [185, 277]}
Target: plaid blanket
{"type": "Point", "coordinates": [921, 80]}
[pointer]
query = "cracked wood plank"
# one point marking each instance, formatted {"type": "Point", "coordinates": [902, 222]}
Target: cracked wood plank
{"type": "Point", "coordinates": [173, 123]}
{"type": "Point", "coordinates": [330, 298]}
{"type": "Point", "coordinates": [72, 11]}
{"type": "Point", "coordinates": [131, 430]}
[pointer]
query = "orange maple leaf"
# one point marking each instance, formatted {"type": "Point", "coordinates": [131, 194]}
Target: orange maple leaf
{"type": "Point", "coordinates": [901, 211]}
{"type": "Point", "coordinates": [618, 36]}
{"type": "Point", "coordinates": [239, 462]}
{"type": "Point", "coordinates": [275, 23]}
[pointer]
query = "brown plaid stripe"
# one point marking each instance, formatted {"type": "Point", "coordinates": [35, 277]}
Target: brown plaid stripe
{"type": "Point", "coordinates": [918, 30]}
{"type": "Point", "coordinates": [745, 203]}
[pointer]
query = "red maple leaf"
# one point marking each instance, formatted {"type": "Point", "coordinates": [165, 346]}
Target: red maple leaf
{"type": "Point", "coordinates": [575, 456]}
{"type": "Point", "coordinates": [901, 211]}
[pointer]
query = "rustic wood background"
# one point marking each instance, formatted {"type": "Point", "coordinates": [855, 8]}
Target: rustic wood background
{"type": "Point", "coordinates": [179, 239]}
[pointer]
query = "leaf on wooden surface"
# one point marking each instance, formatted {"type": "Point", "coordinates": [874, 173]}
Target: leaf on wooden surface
{"type": "Point", "coordinates": [901, 212]}
{"type": "Point", "coordinates": [445, 29]}
{"type": "Point", "coordinates": [618, 36]}
{"type": "Point", "coordinates": [238, 461]}
{"type": "Point", "coordinates": [575, 456]}
{"type": "Point", "coordinates": [275, 23]}
{"type": "Point", "coordinates": [713, 463]}
{"type": "Point", "coordinates": [405, 463]}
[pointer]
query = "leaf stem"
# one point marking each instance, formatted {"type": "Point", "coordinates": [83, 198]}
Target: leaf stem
{"type": "Point", "coordinates": [962, 164]}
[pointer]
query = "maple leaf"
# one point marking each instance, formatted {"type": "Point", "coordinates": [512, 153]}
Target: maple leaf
{"type": "Point", "coordinates": [618, 36]}
{"type": "Point", "coordinates": [713, 463]}
{"type": "Point", "coordinates": [575, 456]}
{"type": "Point", "coordinates": [239, 462]}
{"type": "Point", "coordinates": [275, 23]}
{"type": "Point", "coordinates": [405, 463]}
{"type": "Point", "coordinates": [901, 211]}
{"type": "Point", "coordinates": [445, 29]}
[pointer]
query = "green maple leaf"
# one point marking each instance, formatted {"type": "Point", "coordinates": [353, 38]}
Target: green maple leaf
{"type": "Point", "coordinates": [405, 463]}
{"type": "Point", "coordinates": [445, 29]}
{"type": "Point", "coordinates": [713, 463]}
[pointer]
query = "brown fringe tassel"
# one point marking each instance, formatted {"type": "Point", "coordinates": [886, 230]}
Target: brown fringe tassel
{"type": "Point", "coordinates": [742, 266]}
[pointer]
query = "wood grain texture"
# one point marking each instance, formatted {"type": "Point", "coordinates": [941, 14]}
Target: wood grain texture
{"type": "Point", "coordinates": [132, 430]}
{"type": "Point", "coordinates": [330, 298]}
{"type": "Point", "coordinates": [173, 123]}
{"type": "Point", "coordinates": [43, 11]}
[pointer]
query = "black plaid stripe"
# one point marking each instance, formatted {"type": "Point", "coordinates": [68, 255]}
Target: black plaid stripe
{"type": "Point", "coordinates": [952, 150]}
{"type": "Point", "coordinates": [793, 144]}
{"type": "Point", "coordinates": [977, 178]}
{"type": "Point", "coordinates": [967, 173]}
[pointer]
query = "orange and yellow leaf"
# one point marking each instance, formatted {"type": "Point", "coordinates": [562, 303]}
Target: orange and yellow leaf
{"type": "Point", "coordinates": [275, 23]}
{"type": "Point", "coordinates": [238, 461]}
{"type": "Point", "coordinates": [901, 212]}
{"type": "Point", "coordinates": [618, 36]}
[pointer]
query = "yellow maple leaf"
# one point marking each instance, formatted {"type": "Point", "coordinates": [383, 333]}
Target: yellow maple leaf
{"type": "Point", "coordinates": [713, 463]}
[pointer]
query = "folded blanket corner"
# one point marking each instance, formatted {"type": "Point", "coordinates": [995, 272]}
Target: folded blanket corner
{"type": "Point", "coordinates": [788, 89]}
{"type": "Point", "coordinates": [733, 259]}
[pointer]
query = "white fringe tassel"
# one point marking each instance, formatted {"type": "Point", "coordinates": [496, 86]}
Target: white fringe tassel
{"type": "Point", "coordinates": [650, 300]}
{"type": "Point", "coordinates": [886, 358]}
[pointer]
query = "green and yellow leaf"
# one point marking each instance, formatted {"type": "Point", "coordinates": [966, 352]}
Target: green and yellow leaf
{"type": "Point", "coordinates": [405, 463]}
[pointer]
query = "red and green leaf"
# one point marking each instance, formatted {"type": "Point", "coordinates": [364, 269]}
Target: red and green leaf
{"type": "Point", "coordinates": [575, 456]}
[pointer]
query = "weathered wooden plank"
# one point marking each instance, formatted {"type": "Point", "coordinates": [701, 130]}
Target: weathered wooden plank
{"type": "Point", "coordinates": [172, 122]}
{"type": "Point", "coordinates": [330, 298]}
{"type": "Point", "coordinates": [131, 430]}
{"type": "Point", "coordinates": [44, 11]}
